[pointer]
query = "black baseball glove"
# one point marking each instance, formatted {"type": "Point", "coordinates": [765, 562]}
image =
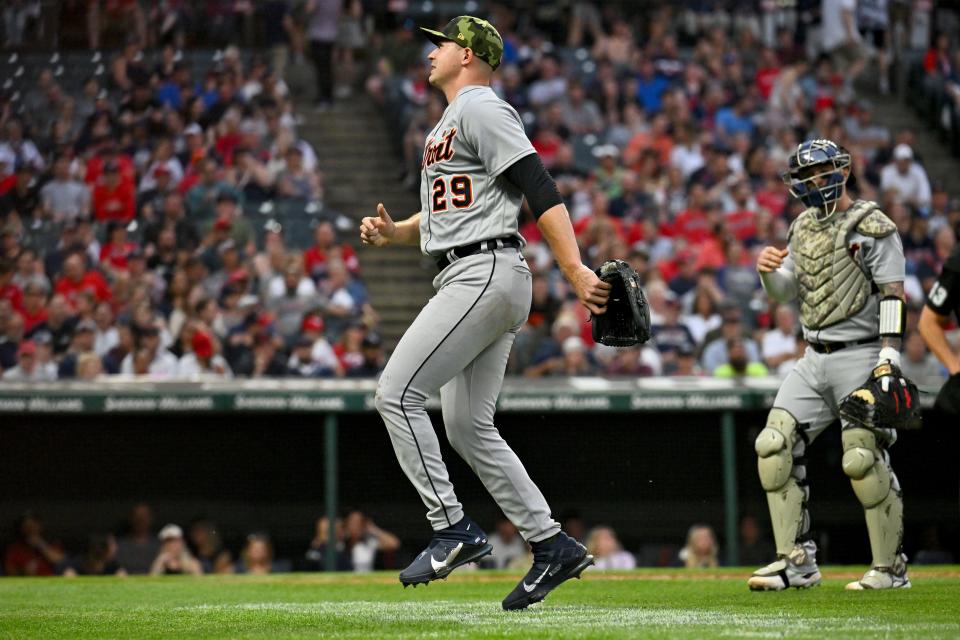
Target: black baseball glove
{"type": "Point", "coordinates": [887, 400]}
{"type": "Point", "coordinates": [627, 319]}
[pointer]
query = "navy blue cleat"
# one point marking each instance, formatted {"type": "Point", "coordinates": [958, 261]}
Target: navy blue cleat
{"type": "Point", "coordinates": [554, 562]}
{"type": "Point", "coordinates": [449, 548]}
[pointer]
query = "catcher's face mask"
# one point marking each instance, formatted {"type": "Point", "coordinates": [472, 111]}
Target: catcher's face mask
{"type": "Point", "coordinates": [816, 175]}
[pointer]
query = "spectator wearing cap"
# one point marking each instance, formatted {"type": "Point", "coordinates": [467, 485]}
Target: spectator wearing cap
{"type": "Point", "coordinates": [374, 358]}
{"type": "Point", "coordinates": [908, 178]}
{"type": "Point", "coordinates": [325, 247]}
{"type": "Point", "coordinates": [162, 161]}
{"type": "Point", "coordinates": [77, 277]}
{"type": "Point", "coordinates": [108, 154]}
{"type": "Point", "coordinates": [84, 341]}
{"type": "Point", "coordinates": [158, 361]}
{"type": "Point", "coordinates": [290, 296]}
{"type": "Point", "coordinates": [300, 363]}
{"type": "Point", "coordinates": [203, 358]}
{"type": "Point", "coordinates": [174, 557]}
{"type": "Point", "coordinates": [113, 198]}
{"type": "Point", "coordinates": [59, 324]}
{"type": "Point", "coordinates": [193, 151]}
{"type": "Point", "coordinates": [608, 174]}
{"type": "Point", "coordinates": [64, 197]}
{"type": "Point", "coordinates": [322, 352]}
{"type": "Point", "coordinates": [27, 368]}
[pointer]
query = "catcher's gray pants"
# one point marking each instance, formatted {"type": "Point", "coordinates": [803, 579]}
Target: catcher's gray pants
{"type": "Point", "coordinates": [812, 393]}
{"type": "Point", "coordinates": [459, 345]}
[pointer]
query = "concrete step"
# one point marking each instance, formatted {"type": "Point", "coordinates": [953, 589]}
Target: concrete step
{"type": "Point", "coordinates": [361, 169]}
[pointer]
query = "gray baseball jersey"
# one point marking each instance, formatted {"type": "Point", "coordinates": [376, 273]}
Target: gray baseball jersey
{"type": "Point", "coordinates": [459, 343]}
{"type": "Point", "coordinates": [464, 198]}
{"type": "Point", "coordinates": [883, 262]}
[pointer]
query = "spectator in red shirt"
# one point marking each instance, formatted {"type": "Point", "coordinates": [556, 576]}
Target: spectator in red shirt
{"type": "Point", "coordinates": [691, 223]}
{"type": "Point", "coordinates": [315, 258]}
{"type": "Point", "coordinates": [114, 252]}
{"type": "Point", "coordinates": [76, 278]}
{"type": "Point", "coordinates": [7, 177]}
{"type": "Point", "coordinates": [742, 220]}
{"type": "Point", "coordinates": [8, 290]}
{"type": "Point", "coordinates": [113, 198]}
{"type": "Point", "coordinates": [31, 554]}
{"type": "Point", "coordinates": [34, 311]}
{"type": "Point", "coordinates": [767, 72]}
{"type": "Point", "coordinates": [108, 154]}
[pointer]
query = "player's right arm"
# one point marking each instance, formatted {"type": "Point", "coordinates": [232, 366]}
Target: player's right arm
{"type": "Point", "coordinates": [555, 226]}
{"type": "Point", "coordinates": [944, 298]}
{"type": "Point", "coordinates": [382, 230]}
{"type": "Point", "coordinates": [775, 267]}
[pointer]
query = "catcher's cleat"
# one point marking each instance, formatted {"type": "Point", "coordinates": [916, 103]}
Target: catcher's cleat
{"type": "Point", "coordinates": [798, 569]}
{"type": "Point", "coordinates": [553, 563]}
{"type": "Point", "coordinates": [894, 577]}
{"type": "Point", "coordinates": [449, 548]}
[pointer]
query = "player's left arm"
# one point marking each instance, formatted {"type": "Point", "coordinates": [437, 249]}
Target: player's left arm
{"type": "Point", "coordinates": [893, 314]}
{"type": "Point", "coordinates": [883, 257]}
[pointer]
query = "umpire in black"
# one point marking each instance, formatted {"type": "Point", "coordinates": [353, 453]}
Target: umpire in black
{"type": "Point", "coordinates": [943, 300]}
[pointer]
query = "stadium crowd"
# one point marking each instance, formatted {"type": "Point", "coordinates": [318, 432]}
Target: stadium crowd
{"type": "Point", "coordinates": [160, 215]}
{"type": "Point", "coordinates": [139, 547]}
{"type": "Point", "coordinates": [152, 214]}
{"type": "Point", "coordinates": [666, 131]}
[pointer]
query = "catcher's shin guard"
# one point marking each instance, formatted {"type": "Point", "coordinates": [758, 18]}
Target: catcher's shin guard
{"type": "Point", "coordinates": [780, 448]}
{"type": "Point", "coordinates": [876, 486]}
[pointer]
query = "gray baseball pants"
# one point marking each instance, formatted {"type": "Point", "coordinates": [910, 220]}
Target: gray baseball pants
{"type": "Point", "coordinates": [459, 345]}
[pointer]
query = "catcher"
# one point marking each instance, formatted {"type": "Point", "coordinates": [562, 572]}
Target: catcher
{"type": "Point", "coordinates": [845, 265]}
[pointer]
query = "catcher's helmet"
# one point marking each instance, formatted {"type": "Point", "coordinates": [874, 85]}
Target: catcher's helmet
{"type": "Point", "coordinates": [816, 175]}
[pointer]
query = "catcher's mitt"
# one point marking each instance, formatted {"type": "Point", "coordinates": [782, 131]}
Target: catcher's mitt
{"type": "Point", "coordinates": [887, 400]}
{"type": "Point", "coordinates": [627, 320]}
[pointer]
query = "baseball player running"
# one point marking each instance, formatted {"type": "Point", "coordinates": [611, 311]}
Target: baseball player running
{"type": "Point", "coordinates": [478, 165]}
{"type": "Point", "coordinates": [845, 264]}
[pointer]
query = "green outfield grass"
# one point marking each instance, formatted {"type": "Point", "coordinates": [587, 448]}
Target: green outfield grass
{"type": "Point", "coordinates": [644, 603]}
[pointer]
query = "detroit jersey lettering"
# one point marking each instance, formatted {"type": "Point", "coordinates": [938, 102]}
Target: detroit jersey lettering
{"type": "Point", "coordinates": [463, 196]}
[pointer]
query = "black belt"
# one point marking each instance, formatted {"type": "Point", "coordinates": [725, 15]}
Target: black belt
{"type": "Point", "coordinates": [831, 347]}
{"type": "Point", "coordinates": [456, 253]}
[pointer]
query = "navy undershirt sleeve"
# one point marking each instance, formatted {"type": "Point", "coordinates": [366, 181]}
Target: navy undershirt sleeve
{"type": "Point", "coordinates": [530, 176]}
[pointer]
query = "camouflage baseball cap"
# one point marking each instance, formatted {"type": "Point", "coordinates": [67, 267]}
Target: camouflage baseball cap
{"type": "Point", "coordinates": [474, 33]}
